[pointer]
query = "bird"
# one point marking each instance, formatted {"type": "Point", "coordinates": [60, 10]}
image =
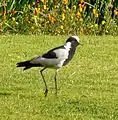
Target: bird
{"type": "Point", "coordinates": [54, 59]}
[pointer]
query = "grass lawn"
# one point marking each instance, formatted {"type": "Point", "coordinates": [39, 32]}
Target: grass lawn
{"type": "Point", "coordinates": [87, 86]}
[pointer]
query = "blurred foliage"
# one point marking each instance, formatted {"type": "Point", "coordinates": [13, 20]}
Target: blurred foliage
{"type": "Point", "coordinates": [59, 17]}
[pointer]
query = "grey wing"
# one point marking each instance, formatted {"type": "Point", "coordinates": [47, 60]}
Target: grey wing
{"type": "Point", "coordinates": [53, 58]}
{"type": "Point", "coordinates": [45, 62]}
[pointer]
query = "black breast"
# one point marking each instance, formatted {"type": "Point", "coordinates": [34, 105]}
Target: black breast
{"type": "Point", "coordinates": [70, 56]}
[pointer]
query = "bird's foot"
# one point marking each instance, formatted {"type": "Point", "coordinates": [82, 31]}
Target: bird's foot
{"type": "Point", "coordinates": [46, 92]}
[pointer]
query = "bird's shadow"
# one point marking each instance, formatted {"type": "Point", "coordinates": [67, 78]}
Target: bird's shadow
{"type": "Point", "coordinates": [5, 93]}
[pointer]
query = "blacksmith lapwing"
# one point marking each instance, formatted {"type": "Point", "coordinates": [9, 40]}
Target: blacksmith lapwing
{"type": "Point", "coordinates": [55, 58]}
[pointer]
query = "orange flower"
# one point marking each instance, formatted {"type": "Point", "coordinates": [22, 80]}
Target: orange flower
{"type": "Point", "coordinates": [78, 14]}
{"type": "Point", "coordinates": [37, 11]}
{"type": "Point", "coordinates": [65, 2]}
{"type": "Point", "coordinates": [81, 1]}
{"type": "Point", "coordinates": [96, 15]}
{"type": "Point", "coordinates": [94, 11]}
{"type": "Point", "coordinates": [51, 18]}
{"type": "Point", "coordinates": [116, 12]}
{"type": "Point", "coordinates": [82, 7]}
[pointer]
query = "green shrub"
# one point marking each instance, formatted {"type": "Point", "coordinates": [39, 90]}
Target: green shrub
{"type": "Point", "coordinates": [55, 17]}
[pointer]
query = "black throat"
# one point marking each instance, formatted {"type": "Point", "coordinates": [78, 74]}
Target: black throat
{"type": "Point", "coordinates": [72, 50]}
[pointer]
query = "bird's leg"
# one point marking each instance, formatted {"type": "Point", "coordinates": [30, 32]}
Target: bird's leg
{"type": "Point", "coordinates": [46, 89]}
{"type": "Point", "coordinates": [55, 78]}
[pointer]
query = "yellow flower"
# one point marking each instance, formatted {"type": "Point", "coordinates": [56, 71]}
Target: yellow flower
{"type": "Point", "coordinates": [32, 27]}
{"type": "Point", "coordinates": [16, 23]}
{"type": "Point", "coordinates": [44, 6]}
{"type": "Point", "coordinates": [62, 27]}
{"type": "Point", "coordinates": [13, 18]}
{"type": "Point", "coordinates": [74, 7]}
{"type": "Point", "coordinates": [95, 13]}
{"type": "Point", "coordinates": [35, 19]}
{"type": "Point", "coordinates": [63, 16]}
{"type": "Point", "coordinates": [29, 6]}
{"type": "Point", "coordinates": [96, 25]}
{"type": "Point", "coordinates": [103, 22]}
{"type": "Point", "coordinates": [80, 7]}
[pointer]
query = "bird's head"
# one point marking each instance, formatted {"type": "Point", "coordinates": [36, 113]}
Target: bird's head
{"type": "Point", "coordinates": [74, 40]}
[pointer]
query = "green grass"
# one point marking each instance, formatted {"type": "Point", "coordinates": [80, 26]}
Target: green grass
{"type": "Point", "coordinates": [87, 86]}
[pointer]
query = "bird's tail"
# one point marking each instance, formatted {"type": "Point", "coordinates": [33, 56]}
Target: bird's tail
{"type": "Point", "coordinates": [25, 64]}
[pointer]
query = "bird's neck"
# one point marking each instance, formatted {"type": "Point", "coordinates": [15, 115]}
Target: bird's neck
{"type": "Point", "coordinates": [68, 45]}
